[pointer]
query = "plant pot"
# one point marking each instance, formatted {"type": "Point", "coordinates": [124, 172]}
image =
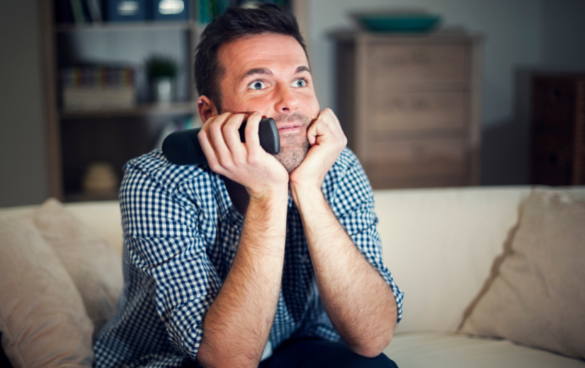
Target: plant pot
{"type": "Point", "coordinates": [163, 90]}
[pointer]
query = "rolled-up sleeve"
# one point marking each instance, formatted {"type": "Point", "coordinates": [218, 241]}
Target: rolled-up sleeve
{"type": "Point", "coordinates": [165, 242]}
{"type": "Point", "coordinates": [352, 201]}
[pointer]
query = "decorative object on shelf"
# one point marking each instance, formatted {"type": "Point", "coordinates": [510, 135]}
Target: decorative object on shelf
{"type": "Point", "coordinates": [162, 72]}
{"type": "Point", "coordinates": [397, 20]}
{"type": "Point", "coordinates": [209, 9]}
{"type": "Point", "coordinates": [98, 87]}
{"type": "Point", "coordinates": [124, 10]}
{"type": "Point", "coordinates": [170, 9]}
{"type": "Point", "coordinates": [206, 10]}
{"type": "Point", "coordinates": [100, 179]}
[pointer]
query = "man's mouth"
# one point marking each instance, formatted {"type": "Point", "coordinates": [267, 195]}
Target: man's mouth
{"type": "Point", "coordinates": [289, 127]}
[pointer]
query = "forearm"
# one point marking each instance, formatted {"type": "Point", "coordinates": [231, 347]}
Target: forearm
{"type": "Point", "coordinates": [358, 301]}
{"type": "Point", "coordinates": [237, 325]}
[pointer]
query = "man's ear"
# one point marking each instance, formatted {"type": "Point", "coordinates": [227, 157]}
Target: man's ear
{"type": "Point", "coordinates": [206, 108]}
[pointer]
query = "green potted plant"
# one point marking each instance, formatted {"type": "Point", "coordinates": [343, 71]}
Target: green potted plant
{"type": "Point", "coordinates": [162, 73]}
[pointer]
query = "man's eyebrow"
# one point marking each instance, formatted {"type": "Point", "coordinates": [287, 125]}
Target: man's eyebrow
{"type": "Point", "coordinates": [253, 71]}
{"type": "Point", "coordinates": [256, 71]}
{"type": "Point", "coordinates": [302, 68]}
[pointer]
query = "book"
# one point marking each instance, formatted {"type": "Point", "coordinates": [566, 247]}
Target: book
{"type": "Point", "coordinates": [95, 10]}
{"type": "Point", "coordinates": [77, 8]}
{"type": "Point", "coordinates": [98, 87]}
{"type": "Point", "coordinates": [127, 10]}
{"type": "Point", "coordinates": [85, 7]}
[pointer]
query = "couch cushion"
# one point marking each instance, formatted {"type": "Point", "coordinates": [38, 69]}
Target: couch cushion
{"type": "Point", "coordinates": [537, 296]}
{"type": "Point", "coordinates": [89, 258]}
{"type": "Point", "coordinates": [105, 217]}
{"type": "Point", "coordinates": [42, 318]}
{"type": "Point", "coordinates": [439, 245]}
{"type": "Point", "coordinates": [422, 350]}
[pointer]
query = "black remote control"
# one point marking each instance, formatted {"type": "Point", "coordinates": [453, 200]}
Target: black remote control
{"type": "Point", "coordinates": [183, 148]}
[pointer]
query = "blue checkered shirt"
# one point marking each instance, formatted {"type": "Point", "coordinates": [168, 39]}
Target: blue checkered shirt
{"type": "Point", "coordinates": [181, 234]}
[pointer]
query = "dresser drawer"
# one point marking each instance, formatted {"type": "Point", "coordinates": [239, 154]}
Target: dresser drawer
{"type": "Point", "coordinates": [419, 63]}
{"type": "Point", "coordinates": [436, 156]}
{"type": "Point", "coordinates": [554, 106]}
{"type": "Point", "coordinates": [407, 112]}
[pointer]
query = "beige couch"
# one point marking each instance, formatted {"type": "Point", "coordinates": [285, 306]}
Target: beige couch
{"type": "Point", "coordinates": [440, 246]}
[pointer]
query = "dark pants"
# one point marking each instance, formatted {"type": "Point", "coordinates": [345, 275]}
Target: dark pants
{"type": "Point", "coordinates": [315, 353]}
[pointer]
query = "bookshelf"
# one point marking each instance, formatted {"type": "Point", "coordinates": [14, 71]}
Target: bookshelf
{"type": "Point", "coordinates": [76, 139]}
{"type": "Point", "coordinates": [122, 26]}
{"type": "Point", "coordinates": [144, 109]}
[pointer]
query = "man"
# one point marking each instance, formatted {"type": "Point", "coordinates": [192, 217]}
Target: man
{"type": "Point", "coordinates": [253, 259]}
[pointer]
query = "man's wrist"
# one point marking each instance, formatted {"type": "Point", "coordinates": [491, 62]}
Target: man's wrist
{"type": "Point", "coordinates": [307, 196]}
{"type": "Point", "coordinates": [270, 198]}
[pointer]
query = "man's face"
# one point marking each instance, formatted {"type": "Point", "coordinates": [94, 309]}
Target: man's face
{"type": "Point", "coordinates": [269, 74]}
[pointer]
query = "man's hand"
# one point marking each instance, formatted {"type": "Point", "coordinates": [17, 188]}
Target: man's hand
{"type": "Point", "coordinates": [327, 140]}
{"type": "Point", "coordinates": [237, 325]}
{"type": "Point", "coordinates": [245, 163]}
{"type": "Point", "coordinates": [358, 301]}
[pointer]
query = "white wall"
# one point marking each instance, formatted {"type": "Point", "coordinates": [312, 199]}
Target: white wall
{"type": "Point", "coordinates": [521, 35]}
{"type": "Point", "coordinates": [563, 44]}
{"type": "Point", "coordinates": [513, 31]}
{"type": "Point", "coordinates": [23, 178]}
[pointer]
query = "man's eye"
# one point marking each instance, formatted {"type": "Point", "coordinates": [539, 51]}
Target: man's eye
{"type": "Point", "coordinates": [299, 83]}
{"type": "Point", "coordinates": [256, 85]}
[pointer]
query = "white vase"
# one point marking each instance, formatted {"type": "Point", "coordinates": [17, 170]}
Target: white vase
{"type": "Point", "coordinates": [163, 90]}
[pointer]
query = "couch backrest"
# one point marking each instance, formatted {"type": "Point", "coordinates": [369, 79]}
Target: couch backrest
{"type": "Point", "coordinates": [103, 216]}
{"type": "Point", "coordinates": [440, 245]}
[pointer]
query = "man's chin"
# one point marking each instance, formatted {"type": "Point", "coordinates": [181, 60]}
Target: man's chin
{"type": "Point", "coordinates": [292, 156]}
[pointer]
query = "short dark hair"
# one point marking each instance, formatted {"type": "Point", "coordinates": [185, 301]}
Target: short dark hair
{"type": "Point", "coordinates": [233, 24]}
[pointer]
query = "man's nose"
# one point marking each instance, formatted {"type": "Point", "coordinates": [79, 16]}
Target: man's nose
{"type": "Point", "coordinates": [286, 99]}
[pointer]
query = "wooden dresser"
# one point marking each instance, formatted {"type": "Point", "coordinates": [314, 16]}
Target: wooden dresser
{"type": "Point", "coordinates": [558, 129]}
{"type": "Point", "coordinates": [409, 105]}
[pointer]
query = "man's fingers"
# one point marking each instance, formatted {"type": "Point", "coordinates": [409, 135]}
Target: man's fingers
{"type": "Point", "coordinates": [215, 133]}
{"type": "Point", "coordinates": [209, 151]}
{"type": "Point", "coordinates": [332, 122]}
{"type": "Point", "coordinates": [319, 130]}
{"type": "Point", "coordinates": [231, 136]}
{"type": "Point", "coordinates": [328, 118]}
{"type": "Point", "coordinates": [252, 136]}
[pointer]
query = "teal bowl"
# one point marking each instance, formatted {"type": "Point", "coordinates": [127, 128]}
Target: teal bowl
{"type": "Point", "coordinates": [397, 22]}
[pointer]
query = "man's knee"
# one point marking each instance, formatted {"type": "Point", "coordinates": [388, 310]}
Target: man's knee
{"type": "Point", "coordinates": [354, 360]}
{"type": "Point", "coordinates": [316, 353]}
{"type": "Point", "coordinates": [340, 355]}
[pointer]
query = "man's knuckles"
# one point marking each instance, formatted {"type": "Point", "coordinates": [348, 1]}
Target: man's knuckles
{"type": "Point", "coordinates": [240, 160]}
{"type": "Point", "coordinates": [215, 166]}
{"type": "Point", "coordinates": [226, 162]}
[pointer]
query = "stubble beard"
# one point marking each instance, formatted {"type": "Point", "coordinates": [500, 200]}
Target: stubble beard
{"type": "Point", "coordinates": [293, 147]}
